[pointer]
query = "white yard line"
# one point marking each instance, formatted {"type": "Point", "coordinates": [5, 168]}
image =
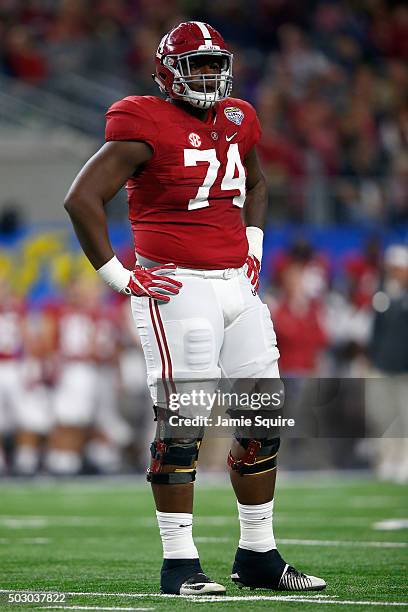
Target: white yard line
{"type": "Point", "coordinates": [87, 608]}
{"type": "Point", "coordinates": [15, 541]}
{"type": "Point", "coordinates": [374, 501]}
{"type": "Point", "coordinates": [391, 524]}
{"type": "Point", "coordinates": [40, 522]}
{"type": "Point", "coordinates": [224, 539]}
{"type": "Point", "coordinates": [312, 598]}
{"type": "Point", "coordinates": [347, 543]}
{"type": "Point", "coordinates": [300, 599]}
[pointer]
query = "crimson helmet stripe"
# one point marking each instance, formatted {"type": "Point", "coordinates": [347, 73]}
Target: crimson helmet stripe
{"type": "Point", "coordinates": [205, 32]}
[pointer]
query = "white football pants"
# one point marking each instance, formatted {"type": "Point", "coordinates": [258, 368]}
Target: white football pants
{"type": "Point", "coordinates": [214, 327]}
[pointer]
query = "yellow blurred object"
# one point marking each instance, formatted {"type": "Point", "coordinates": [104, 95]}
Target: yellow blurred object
{"type": "Point", "coordinates": [61, 268]}
{"type": "Point", "coordinates": [46, 251]}
{"type": "Point", "coordinates": [25, 278]}
{"type": "Point", "coordinates": [43, 245]}
{"type": "Point", "coordinates": [84, 268]}
{"type": "Point", "coordinates": [6, 265]}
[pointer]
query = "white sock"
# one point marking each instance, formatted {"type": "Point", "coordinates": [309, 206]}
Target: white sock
{"type": "Point", "coordinates": [256, 527]}
{"type": "Point", "coordinates": [176, 531]}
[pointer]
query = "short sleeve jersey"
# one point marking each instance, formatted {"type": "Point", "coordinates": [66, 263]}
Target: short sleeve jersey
{"type": "Point", "coordinates": [185, 204]}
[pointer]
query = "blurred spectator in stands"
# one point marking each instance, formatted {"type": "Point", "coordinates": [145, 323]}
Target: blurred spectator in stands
{"type": "Point", "coordinates": [22, 58]}
{"type": "Point", "coordinates": [314, 266]}
{"type": "Point", "coordinates": [389, 344]}
{"type": "Point", "coordinates": [399, 188]}
{"type": "Point", "coordinates": [109, 41]}
{"type": "Point", "coordinates": [299, 59]}
{"type": "Point", "coordinates": [315, 121]}
{"type": "Point", "coordinates": [37, 15]}
{"type": "Point", "coordinates": [72, 21]}
{"type": "Point", "coordinates": [116, 11]}
{"type": "Point", "coordinates": [12, 219]}
{"type": "Point", "coordinates": [362, 270]}
{"type": "Point", "coordinates": [388, 351]}
{"type": "Point", "coordinates": [330, 82]}
{"type": "Point", "coordinates": [349, 312]}
{"type": "Point", "coordinates": [69, 41]}
{"type": "Point", "coordinates": [138, 57]}
{"type": "Point", "coordinates": [360, 194]}
{"type": "Point", "coordinates": [282, 158]}
{"type": "Point", "coordinates": [389, 29]}
{"type": "Point", "coordinates": [298, 324]}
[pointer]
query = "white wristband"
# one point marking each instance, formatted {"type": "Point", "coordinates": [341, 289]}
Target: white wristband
{"type": "Point", "coordinates": [255, 238]}
{"type": "Point", "coordinates": [114, 274]}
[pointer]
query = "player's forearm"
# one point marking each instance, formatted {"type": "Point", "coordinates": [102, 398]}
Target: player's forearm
{"type": "Point", "coordinates": [256, 203]}
{"type": "Point", "coordinates": [89, 220]}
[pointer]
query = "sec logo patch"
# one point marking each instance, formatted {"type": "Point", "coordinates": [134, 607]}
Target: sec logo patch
{"type": "Point", "coordinates": [195, 140]}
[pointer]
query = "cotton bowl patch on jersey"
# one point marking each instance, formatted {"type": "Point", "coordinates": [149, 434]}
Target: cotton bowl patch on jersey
{"type": "Point", "coordinates": [234, 114]}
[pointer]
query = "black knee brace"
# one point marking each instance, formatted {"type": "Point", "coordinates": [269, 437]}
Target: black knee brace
{"type": "Point", "coordinates": [182, 454]}
{"type": "Point", "coordinates": [168, 449]}
{"type": "Point", "coordinates": [260, 457]}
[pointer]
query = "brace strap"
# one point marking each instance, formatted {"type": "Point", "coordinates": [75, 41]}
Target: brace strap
{"type": "Point", "coordinates": [170, 453]}
{"type": "Point", "coordinates": [248, 465]}
{"type": "Point", "coordinates": [171, 477]}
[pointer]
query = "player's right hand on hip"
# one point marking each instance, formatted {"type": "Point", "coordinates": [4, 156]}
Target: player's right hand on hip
{"type": "Point", "coordinates": [153, 282]}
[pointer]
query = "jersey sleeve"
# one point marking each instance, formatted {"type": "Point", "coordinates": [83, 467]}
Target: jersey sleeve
{"type": "Point", "coordinates": [129, 119]}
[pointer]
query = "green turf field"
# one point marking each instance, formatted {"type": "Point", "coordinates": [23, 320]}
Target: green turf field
{"type": "Point", "coordinates": [99, 538]}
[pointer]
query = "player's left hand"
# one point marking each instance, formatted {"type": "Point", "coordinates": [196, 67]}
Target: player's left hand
{"type": "Point", "coordinates": [253, 270]}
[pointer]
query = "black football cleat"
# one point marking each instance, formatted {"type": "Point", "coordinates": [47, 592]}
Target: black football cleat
{"type": "Point", "coordinates": [185, 577]}
{"type": "Point", "coordinates": [269, 571]}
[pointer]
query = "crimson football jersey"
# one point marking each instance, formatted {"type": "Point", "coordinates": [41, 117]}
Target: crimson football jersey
{"type": "Point", "coordinates": [185, 204]}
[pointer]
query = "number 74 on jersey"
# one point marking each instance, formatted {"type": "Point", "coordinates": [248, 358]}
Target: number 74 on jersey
{"type": "Point", "coordinates": [229, 181]}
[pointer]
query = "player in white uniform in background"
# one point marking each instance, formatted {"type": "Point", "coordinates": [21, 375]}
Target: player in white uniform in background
{"type": "Point", "coordinates": [85, 347]}
{"type": "Point", "coordinates": [110, 433]}
{"type": "Point", "coordinates": [35, 417]}
{"type": "Point", "coordinates": [12, 318]}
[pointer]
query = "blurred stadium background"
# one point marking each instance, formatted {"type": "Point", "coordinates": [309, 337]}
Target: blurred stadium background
{"type": "Point", "coordinates": [330, 83]}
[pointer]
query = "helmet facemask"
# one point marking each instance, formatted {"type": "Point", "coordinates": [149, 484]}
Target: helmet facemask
{"type": "Point", "coordinates": [200, 90]}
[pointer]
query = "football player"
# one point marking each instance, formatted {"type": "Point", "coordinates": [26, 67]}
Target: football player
{"type": "Point", "coordinates": [197, 201]}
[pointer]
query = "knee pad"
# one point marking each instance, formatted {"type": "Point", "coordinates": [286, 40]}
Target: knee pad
{"type": "Point", "coordinates": [168, 449]}
{"type": "Point", "coordinates": [181, 454]}
{"type": "Point", "coordinates": [260, 456]}
{"type": "Point", "coordinates": [258, 438]}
